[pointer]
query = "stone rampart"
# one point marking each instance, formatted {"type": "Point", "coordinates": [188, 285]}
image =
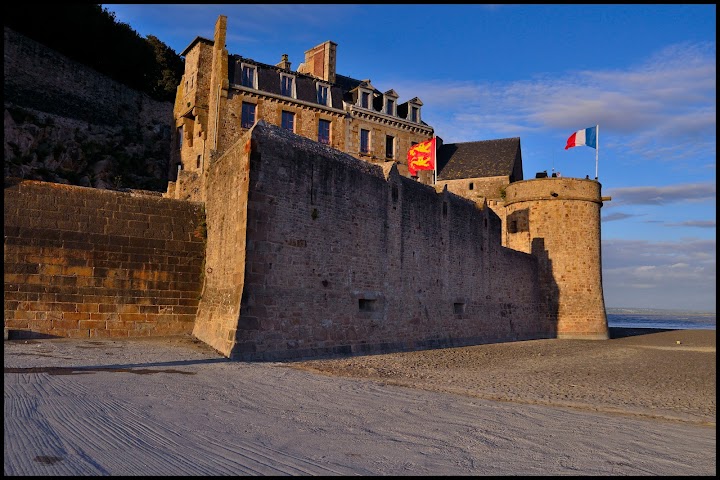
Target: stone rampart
{"type": "Point", "coordinates": [341, 256]}
{"type": "Point", "coordinates": [83, 262]}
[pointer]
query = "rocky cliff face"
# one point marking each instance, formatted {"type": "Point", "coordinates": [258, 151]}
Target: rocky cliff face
{"type": "Point", "coordinates": [66, 123]}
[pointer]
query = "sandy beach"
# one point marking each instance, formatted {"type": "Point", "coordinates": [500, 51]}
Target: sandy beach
{"type": "Point", "coordinates": [642, 403]}
{"type": "Point", "coordinates": [648, 373]}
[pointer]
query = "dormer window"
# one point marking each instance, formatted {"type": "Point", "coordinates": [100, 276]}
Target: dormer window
{"type": "Point", "coordinates": [248, 77]}
{"type": "Point", "coordinates": [323, 94]}
{"type": "Point", "coordinates": [414, 114]}
{"type": "Point", "coordinates": [287, 85]}
{"type": "Point", "coordinates": [365, 99]}
{"type": "Point", "coordinates": [390, 103]}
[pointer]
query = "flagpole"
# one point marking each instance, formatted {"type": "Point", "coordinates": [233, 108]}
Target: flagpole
{"type": "Point", "coordinates": [434, 159]}
{"type": "Point", "coordinates": [597, 149]}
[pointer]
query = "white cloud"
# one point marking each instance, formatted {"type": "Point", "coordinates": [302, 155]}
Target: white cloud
{"type": "Point", "coordinates": [694, 223]}
{"type": "Point", "coordinates": [664, 108]}
{"type": "Point", "coordinates": [617, 216]}
{"type": "Point", "coordinates": [648, 195]}
{"type": "Point", "coordinates": [640, 273]}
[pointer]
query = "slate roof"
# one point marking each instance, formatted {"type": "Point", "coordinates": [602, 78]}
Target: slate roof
{"type": "Point", "coordinates": [269, 81]}
{"type": "Point", "coordinates": [487, 158]}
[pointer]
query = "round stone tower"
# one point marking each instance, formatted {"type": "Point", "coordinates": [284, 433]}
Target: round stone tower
{"type": "Point", "coordinates": [558, 221]}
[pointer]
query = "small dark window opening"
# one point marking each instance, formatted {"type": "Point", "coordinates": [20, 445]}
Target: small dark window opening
{"type": "Point", "coordinates": [394, 193]}
{"type": "Point", "coordinates": [389, 146]}
{"type": "Point", "coordinates": [198, 161]}
{"type": "Point", "coordinates": [485, 222]}
{"type": "Point", "coordinates": [472, 186]}
{"type": "Point", "coordinates": [512, 227]}
{"type": "Point", "coordinates": [444, 209]}
{"type": "Point", "coordinates": [367, 305]}
{"type": "Point", "coordinates": [458, 308]}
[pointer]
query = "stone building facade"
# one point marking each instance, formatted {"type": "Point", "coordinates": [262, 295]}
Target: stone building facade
{"type": "Point", "coordinates": [222, 95]}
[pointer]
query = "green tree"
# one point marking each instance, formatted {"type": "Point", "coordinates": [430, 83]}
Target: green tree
{"type": "Point", "coordinates": [169, 69]}
{"type": "Point", "coordinates": [91, 35]}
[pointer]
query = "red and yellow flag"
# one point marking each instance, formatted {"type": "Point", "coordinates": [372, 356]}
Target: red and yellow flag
{"type": "Point", "coordinates": [421, 157]}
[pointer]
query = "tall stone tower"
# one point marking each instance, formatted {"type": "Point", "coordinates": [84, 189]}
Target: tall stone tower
{"type": "Point", "coordinates": [558, 221]}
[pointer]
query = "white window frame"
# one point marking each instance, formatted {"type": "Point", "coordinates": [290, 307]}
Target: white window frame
{"type": "Point", "coordinates": [328, 98]}
{"type": "Point", "coordinates": [255, 75]}
{"type": "Point", "coordinates": [293, 93]}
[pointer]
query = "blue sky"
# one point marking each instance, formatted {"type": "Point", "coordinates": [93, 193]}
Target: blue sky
{"type": "Point", "coordinates": [646, 74]}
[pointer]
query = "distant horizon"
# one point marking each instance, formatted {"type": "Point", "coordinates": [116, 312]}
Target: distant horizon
{"type": "Point", "coordinates": [664, 310]}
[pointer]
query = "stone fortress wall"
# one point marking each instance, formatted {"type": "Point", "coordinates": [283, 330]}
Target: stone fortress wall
{"type": "Point", "coordinates": [84, 262]}
{"type": "Point", "coordinates": [309, 252]}
{"type": "Point", "coordinates": [312, 252]}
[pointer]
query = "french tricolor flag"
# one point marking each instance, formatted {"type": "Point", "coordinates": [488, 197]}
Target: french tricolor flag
{"type": "Point", "coordinates": [585, 137]}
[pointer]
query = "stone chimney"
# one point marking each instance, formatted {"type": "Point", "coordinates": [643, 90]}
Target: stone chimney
{"type": "Point", "coordinates": [284, 62]}
{"type": "Point", "coordinates": [220, 31]}
{"type": "Point", "coordinates": [320, 62]}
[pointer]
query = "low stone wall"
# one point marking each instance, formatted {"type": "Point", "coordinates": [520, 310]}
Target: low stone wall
{"type": "Point", "coordinates": [83, 262]}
